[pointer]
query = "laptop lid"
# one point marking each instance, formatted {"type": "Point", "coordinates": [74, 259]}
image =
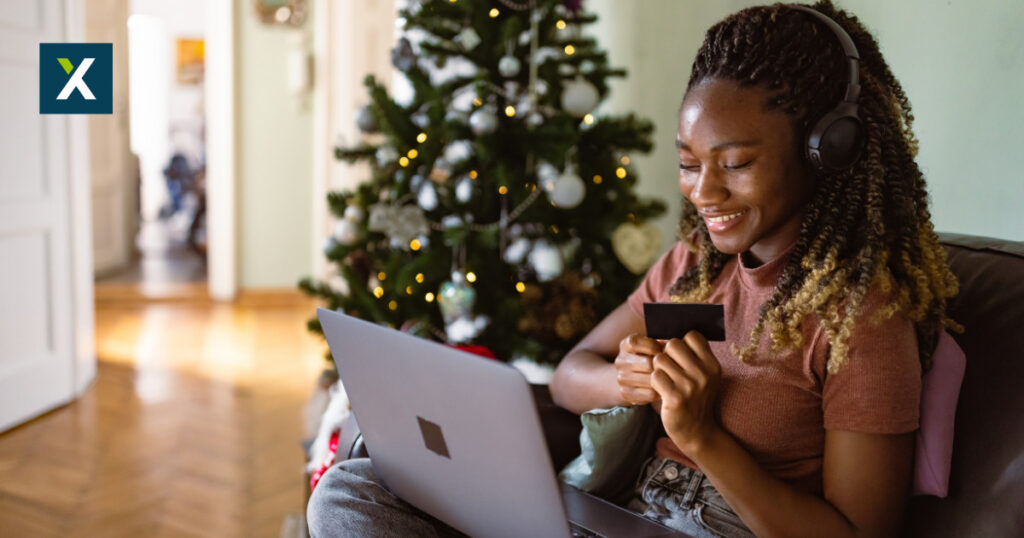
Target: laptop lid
{"type": "Point", "coordinates": [453, 434]}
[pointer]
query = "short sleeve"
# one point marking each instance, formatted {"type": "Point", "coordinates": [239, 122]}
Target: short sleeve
{"type": "Point", "coordinates": [878, 388]}
{"type": "Point", "coordinates": [660, 276]}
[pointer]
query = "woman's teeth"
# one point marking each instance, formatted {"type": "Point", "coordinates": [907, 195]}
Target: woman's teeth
{"type": "Point", "coordinates": [725, 218]}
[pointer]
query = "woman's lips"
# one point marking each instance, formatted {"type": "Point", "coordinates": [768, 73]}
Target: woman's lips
{"type": "Point", "coordinates": [721, 223]}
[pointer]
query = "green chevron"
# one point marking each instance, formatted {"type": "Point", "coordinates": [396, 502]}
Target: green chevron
{"type": "Point", "coordinates": [66, 65]}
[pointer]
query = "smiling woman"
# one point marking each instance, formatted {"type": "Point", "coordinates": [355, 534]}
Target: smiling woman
{"type": "Point", "coordinates": [832, 279]}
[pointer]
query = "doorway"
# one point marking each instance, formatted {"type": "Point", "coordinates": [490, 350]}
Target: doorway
{"type": "Point", "coordinates": [149, 170]}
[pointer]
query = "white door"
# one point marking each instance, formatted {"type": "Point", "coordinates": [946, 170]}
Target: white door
{"type": "Point", "coordinates": [112, 167]}
{"type": "Point", "coordinates": [36, 312]}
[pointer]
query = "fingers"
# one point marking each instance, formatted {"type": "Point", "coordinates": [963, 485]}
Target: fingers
{"type": "Point", "coordinates": [639, 344]}
{"type": "Point", "coordinates": [700, 347]}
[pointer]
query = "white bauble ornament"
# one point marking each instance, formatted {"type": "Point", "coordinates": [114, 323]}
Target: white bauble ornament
{"type": "Point", "coordinates": [636, 246]}
{"type": "Point", "coordinates": [427, 197]}
{"type": "Point", "coordinates": [546, 172]}
{"type": "Point", "coordinates": [451, 221]}
{"type": "Point", "coordinates": [354, 213]}
{"type": "Point", "coordinates": [579, 97]}
{"type": "Point", "coordinates": [535, 119]}
{"type": "Point", "coordinates": [568, 190]}
{"type": "Point", "coordinates": [541, 87]}
{"type": "Point", "coordinates": [346, 232]}
{"type": "Point", "coordinates": [421, 120]}
{"type": "Point", "coordinates": [508, 66]}
{"type": "Point", "coordinates": [457, 116]}
{"type": "Point", "coordinates": [458, 151]}
{"type": "Point", "coordinates": [566, 69]}
{"type": "Point", "coordinates": [484, 121]}
{"type": "Point", "coordinates": [464, 189]}
{"type": "Point", "coordinates": [546, 261]}
{"type": "Point", "coordinates": [517, 251]}
{"type": "Point", "coordinates": [386, 155]}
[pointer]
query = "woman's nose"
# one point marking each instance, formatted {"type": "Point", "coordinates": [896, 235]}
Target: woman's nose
{"type": "Point", "coordinates": [707, 189]}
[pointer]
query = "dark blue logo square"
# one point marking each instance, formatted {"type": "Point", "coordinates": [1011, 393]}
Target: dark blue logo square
{"type": "Point", "coordinates": [76, 78]}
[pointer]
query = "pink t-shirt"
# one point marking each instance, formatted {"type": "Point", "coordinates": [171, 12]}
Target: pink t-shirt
{"type": "Point", "coordinates": [778, 405]}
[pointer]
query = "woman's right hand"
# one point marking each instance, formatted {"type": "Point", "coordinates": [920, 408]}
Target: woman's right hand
{"type": "Point", "coordinates": [633, 368]}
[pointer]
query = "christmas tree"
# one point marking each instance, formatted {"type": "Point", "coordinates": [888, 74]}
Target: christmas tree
{"type": "Point", "coordinates": [500, 211]}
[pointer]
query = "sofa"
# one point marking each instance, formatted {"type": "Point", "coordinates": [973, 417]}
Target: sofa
{"type": "Point", "coordinates": [986, 486]}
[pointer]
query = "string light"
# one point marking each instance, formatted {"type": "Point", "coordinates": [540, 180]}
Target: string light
{"type": "Point", "coordinates": [429, 297]}
{"type": "Point", "coordinates": [393, 305]}
{"type": "Point", "coordinates": [382, 276]}
{"type": "Point", "coordinates": [510, 111]}
{"type": "Point", "coordinates": [477, 101]}
{"type": "Point", "coordinates": [621, 172]}
{"type": "Point", "coordinates": [408, 290]}
{"type": "Point", "coordinates": [625, 159]}
{"type": "Point", "coordinates": [421, 138]}
{"type": "Point", "coordinates": [520, 287]}
{"type": "Point", "coordinates": [419, 277]}
{"type": "Point", "coordinates": [560, 25]}
{"type": "Point", "coordinates": [570, 50]}
{"type": "Point", "coordinates": [414, 244]}
{"type": "Point", "coordinates": [404, 161]}
{"type": "Point", "coordinates": [554, 229]}
{"type": "Point", "coordinates": [597, 180]}
{"type": "Point", "coordinates": [378, 292]}
{"type": "Point", "coordinates": [413, 153]}
{"type": "Point", "coordinates": [588, 119]}
{"type": "Point", "coordinates": [472, 174]}
{"type": "Point", "coordinates": [494, 12]}
{"type": "Point", "coordinates": [471, 276]}
{"type": "Point", "coordinates": [503, 190]}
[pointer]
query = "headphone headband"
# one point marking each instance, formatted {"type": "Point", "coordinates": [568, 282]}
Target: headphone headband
{"type": "Point", "coordinates": [835, 142]}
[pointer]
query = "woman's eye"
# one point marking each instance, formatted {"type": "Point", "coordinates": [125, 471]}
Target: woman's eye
{"type": "Point", "coordinates": [689, 167]}
{"type": "Point", "coordinates": [737, 166]}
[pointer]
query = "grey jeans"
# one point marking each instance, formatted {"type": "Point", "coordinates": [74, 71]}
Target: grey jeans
{"type": "Point", "coordinates": [350, 501]}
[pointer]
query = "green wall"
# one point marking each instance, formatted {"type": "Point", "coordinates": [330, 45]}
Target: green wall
{"type": "Point", "coordinates": [961, 64]}
{"type": "Point", "coordinates": [275, 158]}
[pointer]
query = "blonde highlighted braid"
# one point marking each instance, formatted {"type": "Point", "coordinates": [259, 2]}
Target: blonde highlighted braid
{"type": "Point", "coordinates": [865, 228]}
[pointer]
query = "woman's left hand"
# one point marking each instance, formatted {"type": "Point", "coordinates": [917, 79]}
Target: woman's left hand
{"type": "Point", "coordinates": [686, 376]}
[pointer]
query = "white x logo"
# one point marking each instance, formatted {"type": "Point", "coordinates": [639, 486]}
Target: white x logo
{"type": "Point", "coordinates": [77, 82]}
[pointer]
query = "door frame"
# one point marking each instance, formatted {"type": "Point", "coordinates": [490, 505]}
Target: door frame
{"type": "Point", "coordinates": [221, 155]}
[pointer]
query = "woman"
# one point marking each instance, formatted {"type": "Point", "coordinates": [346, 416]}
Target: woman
{"type": "Point", "coordinates": [834, 286]}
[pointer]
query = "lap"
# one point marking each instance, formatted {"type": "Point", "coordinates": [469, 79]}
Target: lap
{"type": "Point", "coordinates": [349, 500]}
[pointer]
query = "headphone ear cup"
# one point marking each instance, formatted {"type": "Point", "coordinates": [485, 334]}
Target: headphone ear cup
{"type": "Point", "coordinates": [837, 139]}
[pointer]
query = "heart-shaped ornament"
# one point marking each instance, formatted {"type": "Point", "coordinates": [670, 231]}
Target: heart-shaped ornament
{"type": "Point", "coordinates": [636, 246]}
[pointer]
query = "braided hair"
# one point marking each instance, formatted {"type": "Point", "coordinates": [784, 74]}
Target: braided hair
{"type": "Point", "coordinates": [864, 228]}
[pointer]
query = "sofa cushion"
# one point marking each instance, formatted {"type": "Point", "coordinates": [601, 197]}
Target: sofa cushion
{"type": "Point", "coordinates": [986, 485]}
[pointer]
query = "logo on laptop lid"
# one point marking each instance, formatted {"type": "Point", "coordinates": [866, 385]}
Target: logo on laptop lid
{"type": "Point", "coordinates": [432, 437]}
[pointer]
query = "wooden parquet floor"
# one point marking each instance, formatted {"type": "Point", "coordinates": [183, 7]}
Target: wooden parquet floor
{"type": "Point", "coordinates": [191, 428]}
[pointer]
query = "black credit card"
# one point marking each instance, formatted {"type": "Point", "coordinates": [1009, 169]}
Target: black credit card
{"type": "Point", "coordinates": [666, 321]}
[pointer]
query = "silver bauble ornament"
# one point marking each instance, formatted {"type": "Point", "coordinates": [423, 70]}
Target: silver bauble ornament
{"type": "Point", "coordinates": [354, 213]}
{"type": "Point", "coordinates": [329, 245]}
{"type": "Point", "coordinates": [468, 38]}
{"type": "Point", "coordinates": [508, 66]}
{"type": "Point", "coordinates": [386, 155]}
{"type": "Point", "coordinates": [579, 97]}
{"type": "Point", "coordinates": [365, 120]}
{"type": "Point", "coordinates": [458, 151]}
{"type": "Point", "coordinates": [568, 190]}
{"type": "Point", "coordinates": [346, 232]}
{"type": "Point", "coordinates": [484, 120]}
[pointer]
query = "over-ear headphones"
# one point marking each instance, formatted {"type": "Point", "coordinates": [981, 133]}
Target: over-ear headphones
{"type": "Point", "coordinates": [837, 139]}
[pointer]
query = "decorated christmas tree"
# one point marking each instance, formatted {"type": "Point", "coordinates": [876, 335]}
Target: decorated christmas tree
{"type": "Point", "coordinates": [500, 211]}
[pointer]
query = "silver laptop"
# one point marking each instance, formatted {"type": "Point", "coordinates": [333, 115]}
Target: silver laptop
{"type": "Point", "coordinates": [458, 436]}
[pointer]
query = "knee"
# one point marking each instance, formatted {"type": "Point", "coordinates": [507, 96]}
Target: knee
{"type": "Point", "coordinates": [340, 497]}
